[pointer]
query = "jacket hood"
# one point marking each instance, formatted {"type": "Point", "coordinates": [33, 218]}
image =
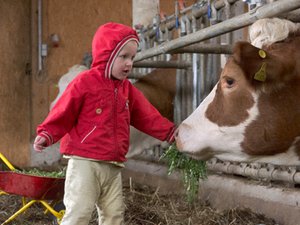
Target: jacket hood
{"type": "Point", "coordinates": [108, 41]}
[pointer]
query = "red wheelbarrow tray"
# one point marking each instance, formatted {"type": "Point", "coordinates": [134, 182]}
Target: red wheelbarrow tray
{"type": "Point", "coordinates": [31, 186]}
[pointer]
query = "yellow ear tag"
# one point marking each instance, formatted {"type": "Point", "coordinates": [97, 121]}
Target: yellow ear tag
{"type": "Point", "coordinates": [262, 54]}
{"type": "Point", "coordinates": [261, 75]}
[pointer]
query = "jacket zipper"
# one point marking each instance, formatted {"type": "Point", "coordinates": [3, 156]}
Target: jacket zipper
{"type": "Point", "coordinates": [115, 117]}
{"type": "Point", "coordinates": [88, 134]}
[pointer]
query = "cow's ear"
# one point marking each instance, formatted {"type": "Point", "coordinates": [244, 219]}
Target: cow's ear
{"type": "Point", "coordinates": [274, 64]}
{"type": "Point", "coordinates": [243, 50]}
{"type": "Point", "coordinates": [251, 60]}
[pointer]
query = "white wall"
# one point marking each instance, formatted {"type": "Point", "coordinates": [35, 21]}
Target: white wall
{"type": "Point", "coordinates": [143, 11]}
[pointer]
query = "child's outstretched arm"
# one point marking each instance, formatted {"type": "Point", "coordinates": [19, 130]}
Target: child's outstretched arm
{"type": "Point", "coordinates": [60, 119]}
{"type": "Point", "coordinates": [146, 118]}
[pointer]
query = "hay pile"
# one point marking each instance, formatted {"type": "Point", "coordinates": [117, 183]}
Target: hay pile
{"type": "Point", "coordinates": [146, 206]}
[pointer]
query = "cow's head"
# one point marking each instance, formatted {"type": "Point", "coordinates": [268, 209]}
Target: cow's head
{"type": "Point", "coordinates": [253, 112]}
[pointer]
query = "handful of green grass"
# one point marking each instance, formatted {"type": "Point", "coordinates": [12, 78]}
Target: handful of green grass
{"type": "Point", "coordinates": [192, 170]}
{"type": "Point", "coordinates": [41, 173]}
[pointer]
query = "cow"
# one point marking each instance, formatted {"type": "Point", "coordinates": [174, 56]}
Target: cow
{"type": "Point", "coordinates": [253, 112]}
{"type": "Point", "coordinates": [159, 87]}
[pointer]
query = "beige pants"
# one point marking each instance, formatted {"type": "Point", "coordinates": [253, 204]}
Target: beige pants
{"type": "Point", "coordinates": [90, 183]}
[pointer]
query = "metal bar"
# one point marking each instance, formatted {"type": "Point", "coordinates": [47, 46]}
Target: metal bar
{"type": "Point", "coordinates": [40, 24]}
{"type": "Point", "coordinates": [205, 49]}
{"type": "Point", "coordinates": [257, 171]}
{"type": "Point", "coordinates": [162, 64]}
{"type": "Point", "coordinates": [169, 23]}
{"type": "Point", "coordinates": [293, 16]}
{"type": "Point", "coordinates": [268, 10]}
{"type": "Point", "coordinates": [195, 61]}
{"type": "Point", "coordinates": [136, 75]}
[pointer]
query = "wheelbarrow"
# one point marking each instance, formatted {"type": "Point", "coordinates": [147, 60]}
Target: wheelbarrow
{"type": "Point", "coordinates": [47, 191]}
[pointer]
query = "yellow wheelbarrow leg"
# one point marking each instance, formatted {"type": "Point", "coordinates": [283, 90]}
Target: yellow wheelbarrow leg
{"type": "Point", "coordinates": [3, 193]}
{"type": "Point", "coordinates": [7, 163]}
{"type": "Point", "coordinates": [21, 210]}
{"type": "Point", "coordinates": [59, 215]}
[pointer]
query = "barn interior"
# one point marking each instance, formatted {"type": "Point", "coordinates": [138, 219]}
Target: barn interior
{"type": "Point", "coordinates": [42, 39]}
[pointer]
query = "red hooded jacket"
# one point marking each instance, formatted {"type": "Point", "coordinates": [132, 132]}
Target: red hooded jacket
{"type": "Point", "coordinates": [95, 112]}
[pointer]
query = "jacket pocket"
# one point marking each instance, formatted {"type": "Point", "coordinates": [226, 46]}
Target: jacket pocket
{"type": "Point", "coordinates": [88, 134]}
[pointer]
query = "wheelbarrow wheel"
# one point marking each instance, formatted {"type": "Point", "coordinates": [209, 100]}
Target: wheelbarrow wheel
{"type": "Point", "coordinates": [60, 208]}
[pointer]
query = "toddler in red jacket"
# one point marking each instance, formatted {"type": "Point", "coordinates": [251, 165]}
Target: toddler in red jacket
{"type": "Point", "coordinates": [93, 118]}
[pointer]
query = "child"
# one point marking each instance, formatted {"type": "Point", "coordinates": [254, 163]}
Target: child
{"type": "Point", "coordinates": [94, 115]}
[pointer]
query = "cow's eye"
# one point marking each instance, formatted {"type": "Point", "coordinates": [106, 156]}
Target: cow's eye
{"type": "Point", "coordinates": [229, 82]}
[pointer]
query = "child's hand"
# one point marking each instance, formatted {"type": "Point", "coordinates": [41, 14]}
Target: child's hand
{"type": "Point", "coordinates": [40, 143]}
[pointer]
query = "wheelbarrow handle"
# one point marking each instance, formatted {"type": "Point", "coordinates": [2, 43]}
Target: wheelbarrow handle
{"type": "Point", "coordinates": [7, 163]}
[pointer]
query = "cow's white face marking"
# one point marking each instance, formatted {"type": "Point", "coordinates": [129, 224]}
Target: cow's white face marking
{"type": "Point", "coordinates": [202, 138]}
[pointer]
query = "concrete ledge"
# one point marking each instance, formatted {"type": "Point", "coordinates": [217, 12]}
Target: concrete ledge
{"type": "Point", "coordinates": [153, 175]}
{"type": "Point", "coordinates": [224, 192]}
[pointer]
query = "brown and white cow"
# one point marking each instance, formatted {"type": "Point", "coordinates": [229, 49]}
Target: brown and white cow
{"type": "Point", "coordinates": [253, 112]}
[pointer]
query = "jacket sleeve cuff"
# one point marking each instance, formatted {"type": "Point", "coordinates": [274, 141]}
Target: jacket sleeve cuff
{"type": "Point", "coordinates": [48, 137]}
{"type": "Point", "coordinates": [171, 137]}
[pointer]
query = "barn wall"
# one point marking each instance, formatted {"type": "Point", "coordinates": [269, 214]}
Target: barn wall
{"type": "Point", "coordinates": [76, 32]}
{"type": "Point", "coordinates": [25, 99]}
{"type": "Point", "coordinates": [15, 79]}
{"type": "Point", "coordinates": [168, 7]}
{"type": "Point", "coordinates": [145, 10]}
{"type": "Point", "coordinates": [142, 16]}
{"type": "Point", "coordinates": [75, 22]}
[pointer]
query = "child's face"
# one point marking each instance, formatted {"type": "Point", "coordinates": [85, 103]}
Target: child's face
{"type": "Point", "coordinates": [123, 63]}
